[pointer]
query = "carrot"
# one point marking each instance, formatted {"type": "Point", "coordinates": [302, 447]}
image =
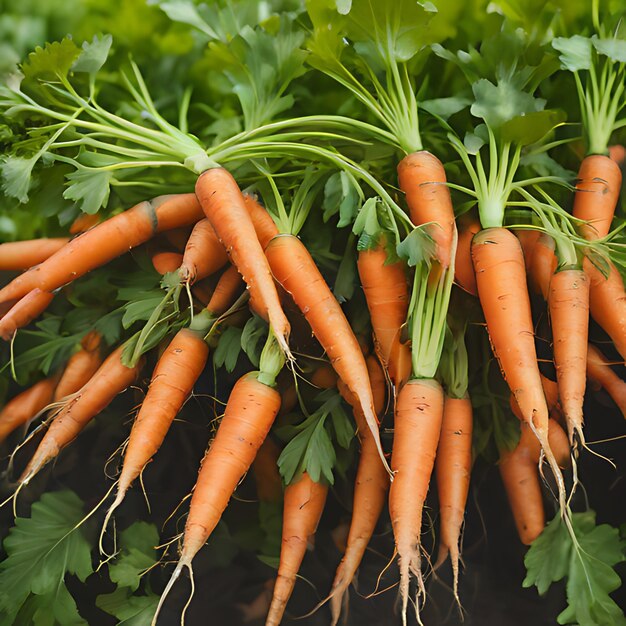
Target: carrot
{"type": "Point", "coordinates": [84, 222]}
{"type": "Point", "coordinates": [453, 466]}
{"type": "Point", "coordinates": [224, 205]}
{"type": "Point", "coordinates": [269, 486]}
{"type": "Point", "coordinates": [597, 191]}
{"type": "Point", "coordinates": [227, 288]}
{"type": "Point", "coordinates": [423, 179]}
{"type": "Point", "coordinates": [111, 379]}
{"type": "Point", "coordinates": [26, 405]}
{"type": "Point", "coordinates": [568, 302]}
{"type": "Point", "coordinates": [518, 469]}
{"type": "Point", "coordinates": [617, 153]}
{"type": "Point", "coordinates": [264, 225]}
{"type": "Point", "coordinates": [22, 255]}
{"type": "Point", "coordinates": [501, 279]}
{"type": "Point", "coordinates": [204, 253]}
{"type": "Point", "coordinates": [324, 377]}
{"type": "Point", "coordinates": [81, 367]}
{"type": "Point", "coordinates": [607, 303]}
{"type": "Point", "coordinates": [463, 269]}
{"type": "Point", "coordinates": [304, 504]}
{"type": "Point", "coordinates": [543, 265]}
{"type": "Point", "coordinates": [599, 371]}
{"type": "Point", "coordinates": [559, 443]}
{"type": "Point", "coordinates": [294, 268]}
{"type": "Point", "coordinates": [177, 237]}
{"type": "Point", "coordinates": [528, 240]}
{"type": "Point", "coordinates": [174, 376]}
{"type": "Point", "coordinates": [418, 416]}
{"type": "Point", "coordinates": [165, 262]}
{"type": "Point", "coordinates": [105, 242]}
{"type": "Point", "coordinates": [370, 489]}
{"type": "Point", "coordinates": [24, 311]}
{"type": "Point", "coordinates": [387, 296]}
{"type": "Point", "coordinates": [551, 393]}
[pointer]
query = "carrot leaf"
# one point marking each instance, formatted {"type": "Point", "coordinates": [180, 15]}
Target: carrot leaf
{"type": "Point", "coordinates": [228, 348]}
{"type": "Point", "coordinates": [129, 609]}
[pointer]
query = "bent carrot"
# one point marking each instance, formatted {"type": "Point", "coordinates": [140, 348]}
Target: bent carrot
{"type": "Point", "coordinates": [81, 367]}
{"type": "Point", "coordinates": [26, 405]}
{"type": "Point", "coordinates": [294, 268]}
{"type": "Point", "coordinates": [304, 504]}
{"type": "Point", "coordinates": [568, 303]}
{"type": "Point", "coordinates": [453, 467]}
{"type": "Point", "coordinates": [464, 275]}
{"type": "Point", "coordinates": [22, 255]}
{"type": "Point", "coordinates": [111, 379]}
{"type": "Point", "coordinates": [599, 370]}
{"type": "Point", "coordinates": [24, 311]}
{"type": "Point", "coordinates": [204, 253]}
{"type": "Point", "coordinates": [423, 179]}
{"type": "Point", "coordinates": [597, 191]}
{"type": "Point", "coordinates": [418, 416]}
{"type": "Point", "coordinates": [224, 205]}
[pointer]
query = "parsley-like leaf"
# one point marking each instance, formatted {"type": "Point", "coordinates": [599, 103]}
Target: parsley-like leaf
{"type": "Point", "coordinates": [228, 348]}
{"type": "Point", "coordinates": [128, 609]}
{"type": "Point", "coordinates": [137, 554]}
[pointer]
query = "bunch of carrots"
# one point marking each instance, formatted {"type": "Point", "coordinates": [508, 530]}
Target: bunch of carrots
{"type": "Point", "coordinates": [437, 274]}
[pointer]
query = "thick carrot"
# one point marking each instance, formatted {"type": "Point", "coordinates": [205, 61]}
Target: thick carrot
{"type": "Point", "coordinates": [464, 275]}
{"type": "Point", "coordinates": [527, 239]}
{"type": "Point", "coordinates": [24, 311]}
{"type": "Point", "coordinates": [599, 371]}
{"type": "Point", "coordinates": [22, 255]}
{"type": "Point", "coordinates": [105, 242]}
{"type": "Point", "coordinates": [204, 253]}
{"type": "Point", "coordinates": [501, 279]}
{"type": "Point", "coordinates": [597, 191]}
{"type": "Point", "coordinates": [111, 379]}
{"type": "Point", "coordinates": [26, 405]}
{"type": "Point", "coordinates": [518, 469]}
{"type": "Point", "coordinates": [542, 266]}
{"type": "Point", "coordinates": [264, 225]}
{"type": "Point", "coordinates": [568, 303]}
{"type": "Point", "coordinates": [81, 367]}
{"type": "Point", "coordinates": [423, 180]}
{"type": "Point", "coordinates": [224, 205]}
{"type": "Point", "coordinates": [225, 292]}
{"type": "Point", "coordinates": [294, 268]}
{"type": "Point", "coordinates": [269, 486]}
{"type": "Point", "coordinates": [84, 222]}
{"type": "Point", "coordinates": [418, 416]}
{"type": "Point", "coordinates": [453, 467]}
{"type": "Point", "coordinates": [607, 303]}
{"type": "Point", "coordinates": [174, 376]}
{"type": "Point", "coordinates": [165, 262]}
{"type": "Point", "coordinates": [304, 504]}
{"type": "Point", "coordinates": [387, 296]}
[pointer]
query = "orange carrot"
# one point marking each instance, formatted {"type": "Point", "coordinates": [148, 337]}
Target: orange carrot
{"type": "Point", "coordinates": [26, 405]}
{"type": "Point", "coordinates": [264, 225]}
{"type": "Point", "coordinates": [204, 253]}
{"type": "Point", "coordinates": [551, 392]}
{"type": "Point", "coordinates": [111, 379]}
{"type": "Point", "coordinates": [617, 153]}
{"type": "Point", "coordinates": [607, 303]}
{"type": "Point", "coordinates": [518, 469]}
{"type": "Point", "coordinates": [24, 311]}
{"type": "Point", "coordinates": [568, 302]}
{"type": "Point", "coordinates": [104, 243]}
{"type": "Point", "coordinates": [22, 255]}
{"type": "Point", "coordinates": [324, 377]}
{"type": "Point", "coordinates": [165, 262]}
{"type": "Point", "coordinates": [453, 467]}
{"type": "Point", "coordinates": [227, 288]}
{"type": "Point", "coordinates": [294, 268]}
{"type": "Point", "coordinates": [269, 486]}
{"type": "Point", "coordinates": [528, 240]}
{"type": "Point", "coordinates": [224, 205]}
{"type": "Point", "coordinates": [177, 237]}
{"type": "Point", "coordinates": [81, 367]}
{"type": "Point", "coordinates": [84, 222]}
{"type": "Point", "coordinates": [423, 179]}
{"type": "Point", "coordinates": [543, 265]}
{"type": "Point", "coordinates": [387, 296]}
{"type": "Point", "coordinates": [599, 371]}
{"type": "Point", "coordinates": [418, 416]}
{"type": "Point", "coordinates": [597, 191]}
{"type": "Point", "coordinates": [559, 443]}
{"type": "Point", "coordinates": [463, 269]}
{"type": "Point", "coordinates": [304, 504]}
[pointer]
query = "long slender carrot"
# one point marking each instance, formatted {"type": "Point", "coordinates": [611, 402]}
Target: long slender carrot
{"type": "Point", "coordinates": [24, 311]}
{"type": "Point", "coordinates": [294, 268]}
{"type": "Point", "coordinates": [543, 265]}
{"type": "Point", "coordinates": [599, 370]}
{"type": "Point", "coordinates": [26, 405]}
{"type": "Point", "coordinates": [228, 286]}
{"type": "Point", "coordinates": [264, 225]}
{"type": "Point", "coordinates": [597, 191]}
{"type": "Point", "coordinates": [105, 242]}
{"type": "Point", "coordinates": [607, 303]}
{"type": "Point", "coordinates": [22, 255]}
{"type": "Point", "coordinates": [387, 296]}
{"type": "Point", "coordinates": [81, 367]}
{"type": "Point", "coordinates": [423, 179]}
{"type": "Point", "coordinates": [501, 279]}
{"type": "Point", "coordinates": [224, 205]}
{"type": "Point", "coordinates": [453, 466]}
{"type": "Point", "coordinates": [518, 469]}
{"type": "Point", "coordinates": [165, 262]}
{"type": "Point", "coordinates": [568, 302]}
{"type": "Point", "coordinates": [204, 253]}
{"type": "Point", "coordinates": [304, 504]}
{"type": "Point", "coordinates": [464, 275]}
{"type": "Point", "coordinates": [419, 412]}
{"type": "Point", "coordinates": [111, 379]}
